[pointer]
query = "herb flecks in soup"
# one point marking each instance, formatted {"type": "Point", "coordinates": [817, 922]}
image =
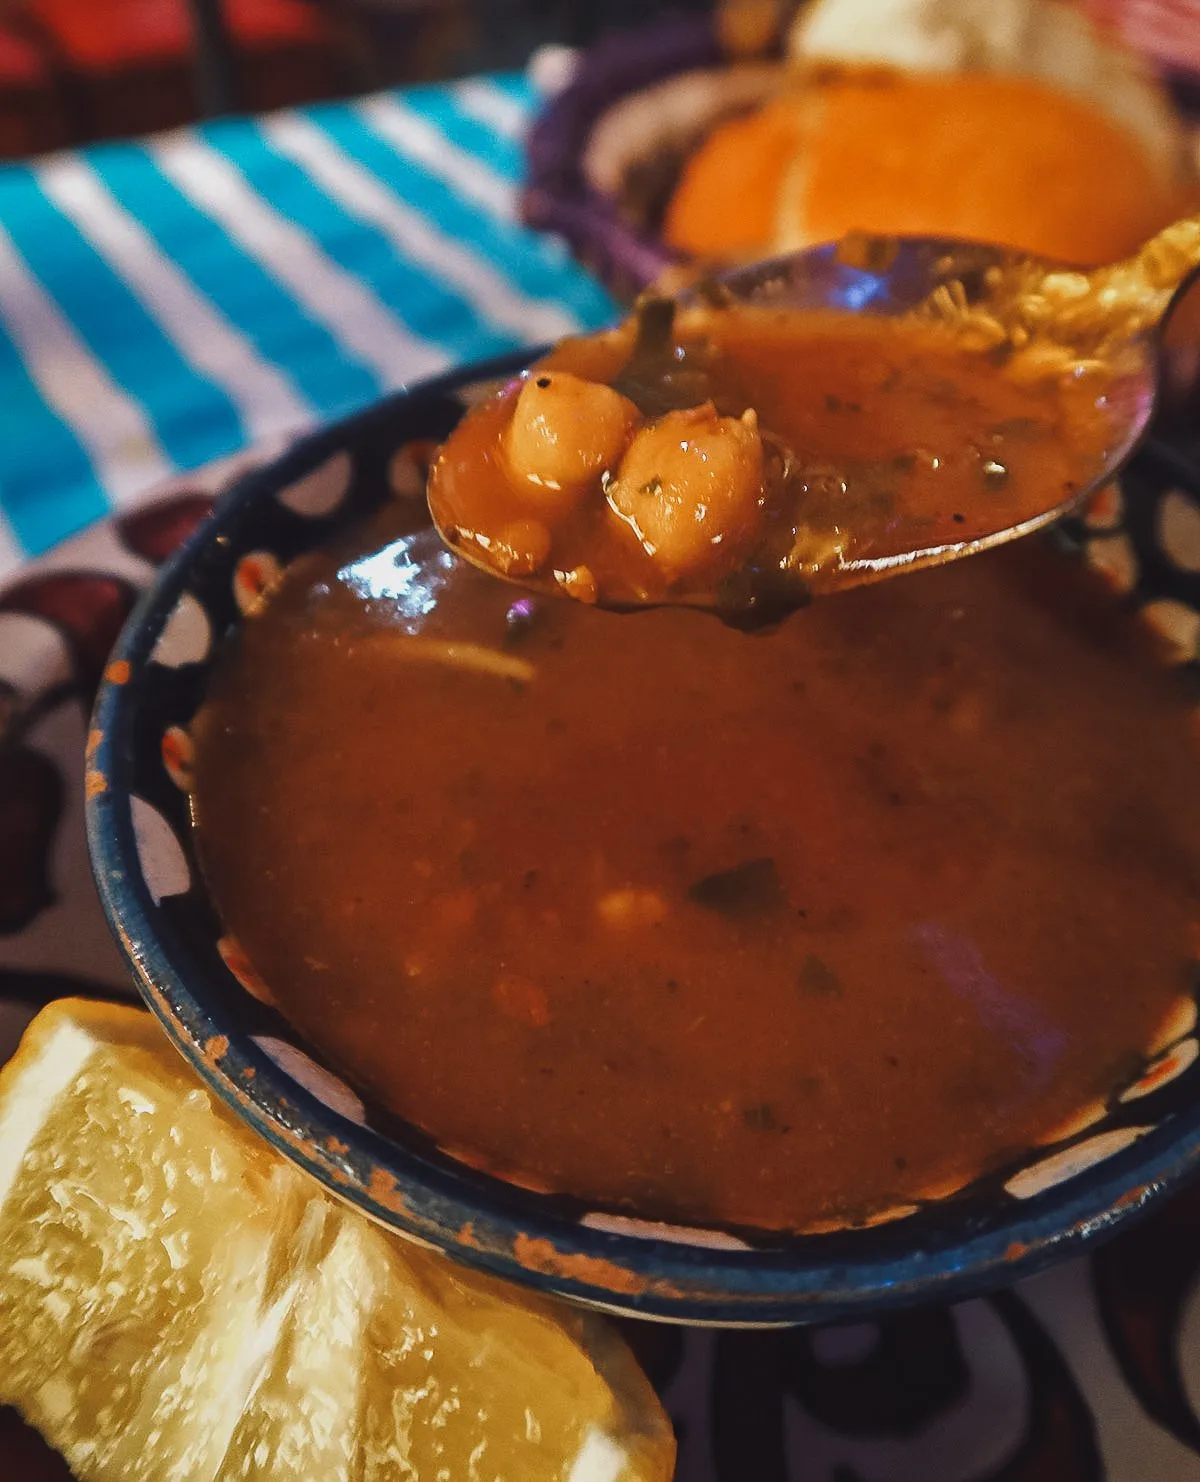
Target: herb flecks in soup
{"type": "Point", "coordinates": [734, 457]}
{"type": "Point", "coordinates": [771, 931]}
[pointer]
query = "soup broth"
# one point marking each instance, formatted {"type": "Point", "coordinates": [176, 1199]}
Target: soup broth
{"type": "Point", "coordinates": [775, 931]}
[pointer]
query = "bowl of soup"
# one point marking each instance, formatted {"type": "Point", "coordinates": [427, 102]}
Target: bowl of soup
{"type": "Point", "coordinates": [683, 971]}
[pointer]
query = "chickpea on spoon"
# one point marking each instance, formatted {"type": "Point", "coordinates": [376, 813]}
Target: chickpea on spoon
{"type": "Point", "coordinates": [821, 420]}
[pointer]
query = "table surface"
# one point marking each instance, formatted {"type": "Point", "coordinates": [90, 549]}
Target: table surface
{"type": "Point", "coordinates": [167, 304]}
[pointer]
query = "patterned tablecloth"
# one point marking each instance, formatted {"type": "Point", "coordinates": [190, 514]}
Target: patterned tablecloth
{"type": "Point", "coordinates": [167, 304]}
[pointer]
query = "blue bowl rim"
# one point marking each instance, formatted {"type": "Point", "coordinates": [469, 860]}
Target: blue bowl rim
{"type": "Point", "coordinates": [494, 1226]}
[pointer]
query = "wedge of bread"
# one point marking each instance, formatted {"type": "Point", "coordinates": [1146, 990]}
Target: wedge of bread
{"type": "Point", "coordinates": [1016, 121]}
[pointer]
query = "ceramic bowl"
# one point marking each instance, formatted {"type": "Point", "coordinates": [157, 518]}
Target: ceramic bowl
{"type": "Point", "coordinates": [1146, 538]}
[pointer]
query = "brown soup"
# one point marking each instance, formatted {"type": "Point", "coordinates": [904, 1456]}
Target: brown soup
{"type": "Point", "coordinates": [776, 931]}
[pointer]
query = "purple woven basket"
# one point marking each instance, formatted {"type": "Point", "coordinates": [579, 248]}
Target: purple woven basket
{"type": "Point", "coordinates": [626, 257]}
{"type": "Point", "coordinates": [557, 196]}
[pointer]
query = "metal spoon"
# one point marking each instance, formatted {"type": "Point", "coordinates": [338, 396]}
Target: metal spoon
{"type": "Point", "coordinates": [1014, 312]}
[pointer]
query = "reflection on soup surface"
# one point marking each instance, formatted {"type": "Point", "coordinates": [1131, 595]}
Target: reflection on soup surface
{"type": "Point", "coordinates": [769, 930]}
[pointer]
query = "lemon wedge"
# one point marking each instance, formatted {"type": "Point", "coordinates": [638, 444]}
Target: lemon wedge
{"type": "Point", "coordinates": [182, 1305]}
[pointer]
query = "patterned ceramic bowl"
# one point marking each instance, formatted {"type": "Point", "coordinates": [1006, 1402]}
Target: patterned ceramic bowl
{"type": "Point", "coordinates": [1147, 540]}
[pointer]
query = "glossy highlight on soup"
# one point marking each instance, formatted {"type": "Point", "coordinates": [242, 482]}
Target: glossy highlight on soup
{"type": "Point", "coordinates": [784, 931]}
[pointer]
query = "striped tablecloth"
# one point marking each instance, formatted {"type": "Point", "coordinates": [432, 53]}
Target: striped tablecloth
{"type": "Point", "coordinates": [169, 301]}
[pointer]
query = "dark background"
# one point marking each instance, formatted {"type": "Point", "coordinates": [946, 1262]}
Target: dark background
{"type": "Point", "coordinates": [78, 70]}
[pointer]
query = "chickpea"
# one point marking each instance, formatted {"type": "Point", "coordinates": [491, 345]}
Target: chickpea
{"type": "Point", "coordinates": [690, 485]}
{"type": "Point", "coordinates": [564, 433]}
{"type": "Point", "coordinates": [520, 548]}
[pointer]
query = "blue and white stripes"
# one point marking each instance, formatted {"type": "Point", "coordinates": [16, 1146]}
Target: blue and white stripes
{"type": "Point", "coordinates": [166, 303]}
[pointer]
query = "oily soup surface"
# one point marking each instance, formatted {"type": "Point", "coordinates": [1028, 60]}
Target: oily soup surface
{"type": "Point", "coordinates": [768, 930]}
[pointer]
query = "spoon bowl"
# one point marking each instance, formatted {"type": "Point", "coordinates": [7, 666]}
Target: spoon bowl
{"type": "Point", "coordinates": [1015, 316]}
{"type": "Point", "coordinates": [973, 282]}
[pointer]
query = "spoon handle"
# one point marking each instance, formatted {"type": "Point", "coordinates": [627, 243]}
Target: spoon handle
{"type": "Point", "coordinates": [1055, 319]}
{"type": "Point", "coordinates": [1129, 297]}
{"type": "Point", "coordinates": [1111, 307]}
